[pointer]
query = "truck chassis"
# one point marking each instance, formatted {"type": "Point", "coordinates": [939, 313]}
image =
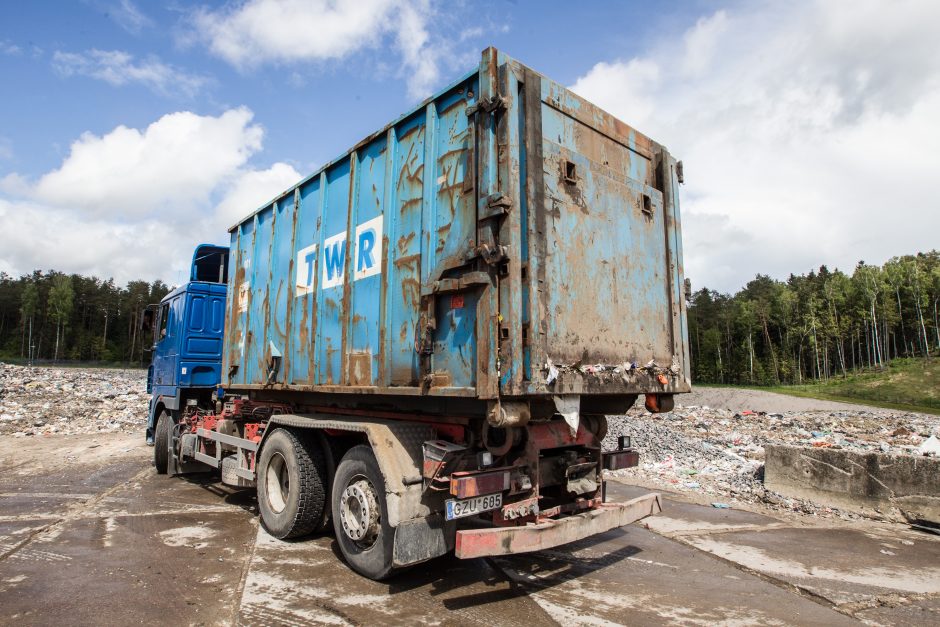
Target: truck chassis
{"type": "Point", "coordinates": [399, 490]}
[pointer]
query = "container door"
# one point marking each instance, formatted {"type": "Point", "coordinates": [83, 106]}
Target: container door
{"type": "Point", "coordinates": [607, 291]}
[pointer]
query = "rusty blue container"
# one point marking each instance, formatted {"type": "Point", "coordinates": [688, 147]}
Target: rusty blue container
{"type": "Point", "coordinates": [506, 239]}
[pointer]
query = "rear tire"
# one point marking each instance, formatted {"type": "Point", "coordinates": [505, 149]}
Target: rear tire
{"type": "Point", "coordinates": [161, 442]}
{"type": "Point", "coordinates": [360, 514]}
{"type": "Point", "coordinates": [291, 484]}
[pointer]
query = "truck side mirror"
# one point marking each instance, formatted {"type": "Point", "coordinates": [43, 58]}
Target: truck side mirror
{"type": "Point", "coordinates": [148, 323]}
{"type": "Point", "coordinates": [146, 320]}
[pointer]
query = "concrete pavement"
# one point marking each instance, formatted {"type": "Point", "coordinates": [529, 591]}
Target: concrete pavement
{"type": "Point", "coordinates": [89, 534]}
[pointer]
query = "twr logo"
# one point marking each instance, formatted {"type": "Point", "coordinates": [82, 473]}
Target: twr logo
{"type": "Point", "coordinates": [368, 248]}
{"type": "Point", "coordinates": [367, 260]}
{"type": "Point", "coordinates": [334, 260]}
{"type": "Point", "coordinates": [306, 265]}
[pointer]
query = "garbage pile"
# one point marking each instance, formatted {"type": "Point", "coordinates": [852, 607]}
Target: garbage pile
{"type": "Point", "coordinates": [45, 401]}
{"type": "Point", "coordinates": [718, 454]}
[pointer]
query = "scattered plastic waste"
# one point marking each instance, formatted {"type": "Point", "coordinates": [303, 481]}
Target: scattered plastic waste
{"type": "Point", "coordinates": [552, 372]}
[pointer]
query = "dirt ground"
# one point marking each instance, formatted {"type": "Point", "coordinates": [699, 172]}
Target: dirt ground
{"type": "Point", "coordinates": [90, 535]}
{"type": "Point", "coordinates": [740, 399]}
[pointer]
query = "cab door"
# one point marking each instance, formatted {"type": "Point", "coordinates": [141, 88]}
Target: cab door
{"type": "Point", "coordinates": [166, 350]}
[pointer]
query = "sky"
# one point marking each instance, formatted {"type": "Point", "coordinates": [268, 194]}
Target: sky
{"type": "Point", "coordinates": [131, 131]}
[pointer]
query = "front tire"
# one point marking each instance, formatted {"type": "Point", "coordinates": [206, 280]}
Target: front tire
{"type": "Point", "coordinates": [291, 485]}
{"type": "Point", "coordinates": [161, 442]}
{"type": "Point", "coordinates": [360, 514]}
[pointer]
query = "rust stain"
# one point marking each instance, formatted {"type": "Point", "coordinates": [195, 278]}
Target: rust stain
{"type": "Point", "coordinates": [408, 261]}
{"type": "Point", "coordinates": [360, 368]}
{"type": "Point", "coordinates": [405, 241]}
{"type": "Point", "coordinates": [411, 292]}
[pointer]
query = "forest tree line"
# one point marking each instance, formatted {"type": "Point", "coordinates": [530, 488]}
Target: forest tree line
{"type": "Point", "coordinates": [56, 316]}
{"type": "Point", "coordinates": [812, 326]}
{"type": "Point", "coordinates": [819, 325]}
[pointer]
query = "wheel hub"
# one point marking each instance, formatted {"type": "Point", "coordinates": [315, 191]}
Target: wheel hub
{"type": "Point", "coordinates": [359, 512]}
{"type": "Point", "coordinates": [277, 482]}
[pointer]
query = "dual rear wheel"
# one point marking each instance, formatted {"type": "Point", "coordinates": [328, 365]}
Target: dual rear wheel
{"type": "Point", "coordinates": [297, 497]}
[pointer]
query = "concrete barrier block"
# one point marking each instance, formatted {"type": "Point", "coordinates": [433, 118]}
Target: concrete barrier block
{"type": "Point", "coordinates": [895, 486]}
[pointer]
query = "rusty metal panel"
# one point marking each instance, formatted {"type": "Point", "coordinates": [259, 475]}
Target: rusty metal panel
{"type": "Point", "coordinates": [502, 224]}
{"type": "Point", "coordinates": [451, 230]}
{"type": "Point", "coordinates": [334, 260]}
{"type": "Point", "coordinates": [259, 288]}
{"type": "Point", "coordinates": [300, 366]}
{"type": "Point", "coordinates": [279, 280]}
{"type": "Point", "coordinates": [609, 286]}
{"type": "Point", "coordinates": [404, 253]}
{"type": "Point", "coordinates": [238, 304]}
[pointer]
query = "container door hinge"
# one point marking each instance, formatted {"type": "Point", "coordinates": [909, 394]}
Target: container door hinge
{"type": "Point", "coordinates": [488, 105]}
{"type": "Point", "coordinates": [492, 254]}
{"type": "Point", "coordinates": [424, 335]}
{"type": "Point", "coordinates": [497, 204]}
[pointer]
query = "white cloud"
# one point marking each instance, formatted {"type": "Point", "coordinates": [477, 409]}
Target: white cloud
{"type": "Point", "coordinates": [168, 168]}
{"type": "Point", "coordinates": [126, 14]}
{"type": "Point", "coordinates": [255, 32]}
{"type": "Point", "coordinates": [250, 190]}
{"type": "Point", "coordinates": [10, 48]}
{"type": "Point", "coordinates": [119, 68]}
{"type": "Point", "coordinates": [40, 237]}
{"type": "Point", "coordinates": [182, 180]}
{"type": "Point", "coordinates": [808, 132]}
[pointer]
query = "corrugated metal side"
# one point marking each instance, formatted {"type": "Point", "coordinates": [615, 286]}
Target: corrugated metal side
{"type": "Point", "coordinates": [328, 278]}
{"type": "Point", "coordinates": [504, 223]}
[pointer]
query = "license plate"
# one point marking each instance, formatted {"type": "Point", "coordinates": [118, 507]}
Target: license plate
{"type": "Point", "coordinates": [471, 507]}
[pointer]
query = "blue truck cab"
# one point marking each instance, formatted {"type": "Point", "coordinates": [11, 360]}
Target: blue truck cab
{"type": "Point", "coordinates": [187, 328]}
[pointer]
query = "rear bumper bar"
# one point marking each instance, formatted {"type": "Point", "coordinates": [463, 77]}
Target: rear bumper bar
{"type": "Point", "coordinates": [545, 535]}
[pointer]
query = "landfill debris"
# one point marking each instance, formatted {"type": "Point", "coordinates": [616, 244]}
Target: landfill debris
{"type": "Point", "coordinates": [45, 401]}
{"type": "Point", "coordinates": [625, 371]}
{"type": "Point", "coordinates": [724, 450]}
{"type": "Point", "coordinates": [552, 372]}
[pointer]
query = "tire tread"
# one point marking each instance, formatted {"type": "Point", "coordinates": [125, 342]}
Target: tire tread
{"type": "Point", "coordinates": [161, 443]}
{"type": "Point", "coordinates": [311, 496]}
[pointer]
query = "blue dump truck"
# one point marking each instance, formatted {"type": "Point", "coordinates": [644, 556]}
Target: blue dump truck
{"type": "Point", "coordinates": [417, 346]}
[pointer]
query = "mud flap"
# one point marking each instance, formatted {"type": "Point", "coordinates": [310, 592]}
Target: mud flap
{"type": "Point", "coordinates": [421, 539]}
